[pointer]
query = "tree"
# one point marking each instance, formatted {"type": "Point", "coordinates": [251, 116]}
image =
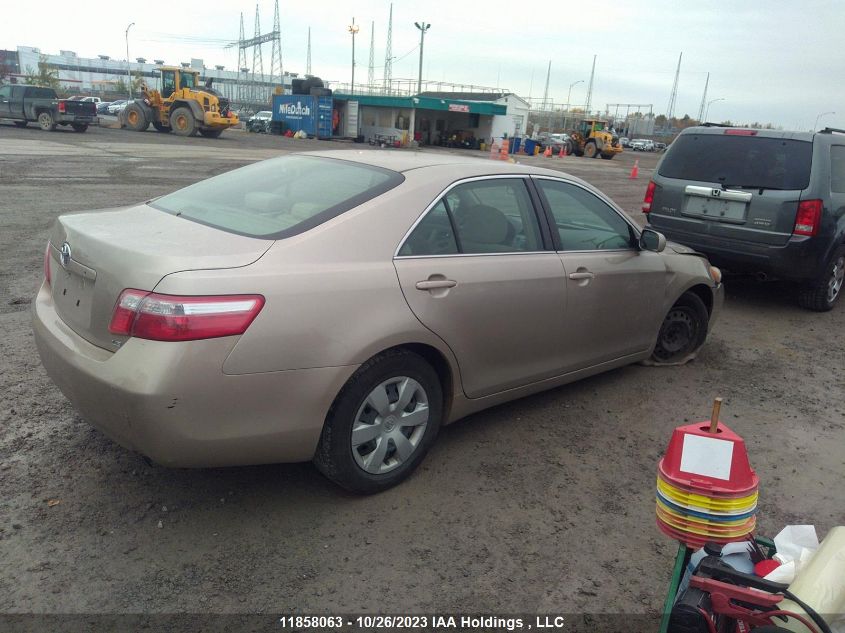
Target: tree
{"type": "Point", "coordinates": [137, 81]}
{"type": "Point", "coordinates": [44, 76]}
{"type": "Point", "coordinates": [120, 87]}
{"type": "Point", "coordinates": [660, 120]}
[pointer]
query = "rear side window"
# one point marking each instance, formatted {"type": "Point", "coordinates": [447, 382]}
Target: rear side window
{"type": "Point", "coordinates": [837, 168]}
{"type": "Point", "coordinates": [40, 93]}
{"type": "Point", "coordinates": [280, 197]}
{"type": "Point", "coordinates": [740, 161]}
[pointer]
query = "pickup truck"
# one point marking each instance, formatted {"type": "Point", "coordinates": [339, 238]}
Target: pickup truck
{"type": "Point", "coordinates": [25, 104]}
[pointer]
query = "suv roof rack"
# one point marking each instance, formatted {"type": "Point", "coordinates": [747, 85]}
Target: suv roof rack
{"type": "Point", "coordinates": [831, 130]}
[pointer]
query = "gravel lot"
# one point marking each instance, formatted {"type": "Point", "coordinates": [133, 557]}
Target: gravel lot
{"type": "Point", "coordinates": [544, 505]}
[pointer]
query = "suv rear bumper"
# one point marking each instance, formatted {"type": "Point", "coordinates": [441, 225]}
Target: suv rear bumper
{"type": "Point", "coordinates": [800, 259]}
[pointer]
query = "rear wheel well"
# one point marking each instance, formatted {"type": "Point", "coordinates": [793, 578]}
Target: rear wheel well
{"type": "Point", "coordinates": [441, 366]}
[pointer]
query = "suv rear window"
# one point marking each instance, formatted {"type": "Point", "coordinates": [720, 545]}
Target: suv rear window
{"type": "Point", "coordinates": [740, 161]}
{"type": "Point", "coordinates": [279, 197]}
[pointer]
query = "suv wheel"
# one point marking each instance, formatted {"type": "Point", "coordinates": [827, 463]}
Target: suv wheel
{"type": "Point", "coordinates": [821, 295]}
{"type": "Point", "coordinates": [382, 423]}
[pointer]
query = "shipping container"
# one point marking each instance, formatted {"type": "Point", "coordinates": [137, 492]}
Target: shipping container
{"type": "Point", "coordinates": [313, 115]}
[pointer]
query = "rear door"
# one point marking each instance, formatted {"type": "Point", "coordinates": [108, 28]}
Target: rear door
{"type": "Point", "coordinates": [732, 184]}
{"type": "Point", "coordinates": [478, 271]}
{"type": "Point", "coordinates": [614, 291]}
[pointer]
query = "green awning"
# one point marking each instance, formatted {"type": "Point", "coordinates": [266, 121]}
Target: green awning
{"type": "Point", "coordinates": [425, 103]}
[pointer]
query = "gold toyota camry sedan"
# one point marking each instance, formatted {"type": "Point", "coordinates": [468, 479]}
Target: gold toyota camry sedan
{"type": "Point", "coordinates": [341, 306]}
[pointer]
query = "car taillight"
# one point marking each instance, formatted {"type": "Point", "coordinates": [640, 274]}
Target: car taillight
{"type": "Point", "coordinates": [649, 197]}
{"type": "Point", "coordinates": [160, 317]}
{"type": "Point", "coordinates": [808, 218]}
{"type": "Point", "coordinates": [61, 106]}
{"type": "Point", "coordinates": [47, 276]}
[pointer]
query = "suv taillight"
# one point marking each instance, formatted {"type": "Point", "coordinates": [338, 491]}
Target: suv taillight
{"type": "Point", "coordinates": [61, 106]}
{"type": "Point", "coordinates": [47, 276]}
{"type": "Point", "coordinates": [808, 218]}
{"type": "Point", "coordinates": [649, 197]}
{"type": "Point", "coordinates": [159, 317]}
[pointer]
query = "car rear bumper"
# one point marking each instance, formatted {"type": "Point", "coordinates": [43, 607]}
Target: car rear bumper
{"type": "Point", "coordinates": [800, 259]}
{"type": "Point", "coordinates": [173, 403]}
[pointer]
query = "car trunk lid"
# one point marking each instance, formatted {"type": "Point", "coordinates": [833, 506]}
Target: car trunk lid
{"type": "Point", "coordinates": [94, 256]}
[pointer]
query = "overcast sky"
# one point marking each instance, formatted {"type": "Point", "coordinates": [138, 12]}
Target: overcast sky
{"type": "Point", "coordinates": [770, 60]}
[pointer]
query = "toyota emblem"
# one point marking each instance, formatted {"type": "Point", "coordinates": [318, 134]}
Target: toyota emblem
{"type": "Point", "coordinates": [64, 255]}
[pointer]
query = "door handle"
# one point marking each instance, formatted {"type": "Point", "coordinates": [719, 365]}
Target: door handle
{"type": "Point", "coordinates": [582, 275]}
{"type": "Point", "coordinates": [435, 284]}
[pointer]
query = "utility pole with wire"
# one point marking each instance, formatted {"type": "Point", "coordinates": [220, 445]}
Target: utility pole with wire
{"type": "Point", "coordinates": [308, 56]}
{"type": "Point", "coordinates": [353, 30]}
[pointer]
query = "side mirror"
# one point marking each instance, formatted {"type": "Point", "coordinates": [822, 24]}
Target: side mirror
{"type": "Point", "coordinates": [651, 240]}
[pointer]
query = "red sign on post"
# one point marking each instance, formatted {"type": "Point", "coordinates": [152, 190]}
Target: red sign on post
{"type": "Point", "coordinates": [458, 107]}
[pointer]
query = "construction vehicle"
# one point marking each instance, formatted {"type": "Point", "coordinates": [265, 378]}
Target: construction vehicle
{"type": "Point", "coordinates": [593, 139]}
{"type": "Point", "coordinates": [181, 106]}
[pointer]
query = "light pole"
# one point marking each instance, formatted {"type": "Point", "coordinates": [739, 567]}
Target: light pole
{"type": "Point", "coordinates": [816, 126]}
{"type": "Point", "coordinates": [353, 29]}
{"type": "Point", "coordinates": [128, 70]}
{"type": "Point", "coordinates": [707, 111]}
{"type": "Point", "coordinates": [568, 96]}
{"type": "Point", "coordinates": [423, 27]}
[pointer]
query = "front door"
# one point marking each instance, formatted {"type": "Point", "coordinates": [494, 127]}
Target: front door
{"type": "Point", "coordinates": [475, 271]}
{"type": "Point", "coordinates": [615, 291]}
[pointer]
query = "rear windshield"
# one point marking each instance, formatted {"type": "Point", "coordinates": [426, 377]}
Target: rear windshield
{"type": "Point", "coordinates": [279, 197]}
{"type": "Point", "coordinates": [740, 161]}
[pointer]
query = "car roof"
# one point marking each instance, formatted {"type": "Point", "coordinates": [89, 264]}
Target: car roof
{"type": "Point", "coordinates": [403, 161]}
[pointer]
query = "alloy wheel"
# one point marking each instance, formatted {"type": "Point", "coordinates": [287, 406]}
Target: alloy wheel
{"type": "Point", "coordinates": [834, 285]}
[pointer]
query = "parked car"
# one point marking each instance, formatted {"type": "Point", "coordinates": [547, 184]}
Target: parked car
{"type": "Point", "coordinates": [659, 147]}
{"type": "Point", "coordinates": [624, 141]}
{"type": "Point", "coordinates": [642, 145]}
{"type": "Point", "coordinates": [29, 104]}
{"type": "Point", "coordinates": [116, 106]}
{"type": "Point", "coordinates": [758, 201]}
{"type": "Point", "coordinates": [259, 121]}
{"type": "Point", "coordinates": [86, 99]}
{"type": "Point", "coordinates": [103, 107]}
{"type": "Point", "coordinates": [342, 306]}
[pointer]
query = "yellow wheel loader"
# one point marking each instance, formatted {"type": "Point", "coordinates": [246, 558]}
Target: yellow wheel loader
{"type": "Point", "coordinates": [593, 139]}
{"type": "Point", "coordinates": [181, 106]}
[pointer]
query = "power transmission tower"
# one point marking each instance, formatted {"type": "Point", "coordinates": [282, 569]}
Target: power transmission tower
{"type": "Point", "coordinates": [276, 69]}
{"type": "Point", "coordinates": [670, 111]}
{"type": "Point", "coordinates": [546, 98]}
{"type": "Point", "coordinates": [257, 56]}
{"type": "Point", "coordinates": [703, 99]}
{"type": "Point", "coordinates": [308, 58]}
{"type": "Point", "coordinates": [242, 68]}
{"type": "Point", "coordinates": [372, 70]}
{"type": "Point", "coordinates": [590, 88]}
{"type": "Point", "coordinates": [388, 53]}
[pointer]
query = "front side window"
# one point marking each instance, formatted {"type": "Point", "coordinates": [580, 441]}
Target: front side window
{"type": "Point", "coordinates": [5, 92]}
{"type": "Point", "coordinates": [584, 222]}
{"type": "Point", "coordinates": [188, 80]}
{"type": "Point", "coordinates": [279, 197]}
{"type": "Point", "coordinates": [168, 83]}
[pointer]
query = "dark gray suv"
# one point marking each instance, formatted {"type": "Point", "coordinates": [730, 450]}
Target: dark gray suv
{"type": "Point", "coordinates": [758, 201]}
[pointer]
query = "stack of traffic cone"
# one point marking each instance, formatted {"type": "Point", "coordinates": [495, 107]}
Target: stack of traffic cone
{"type": "Point", "coordinates": [635, 171]}
{"type": "Point", "coordinates": [706, 488]}
{"type": "Point", "coordinates": [494, 151]}
{"type": "Point", "coordinates": [503, 155]}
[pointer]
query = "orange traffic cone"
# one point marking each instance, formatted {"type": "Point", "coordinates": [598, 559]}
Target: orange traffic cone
{"type": "Point", "coordinates": [635, 172]}
{"type": "Point", "coordinates": [494, 151]}
{"type": "Point", "coordinates": [566, 149]}
{"type": "Point", "coordinates": [548, 152]}
{"type": "Point", "coordinates": [560, 153]}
